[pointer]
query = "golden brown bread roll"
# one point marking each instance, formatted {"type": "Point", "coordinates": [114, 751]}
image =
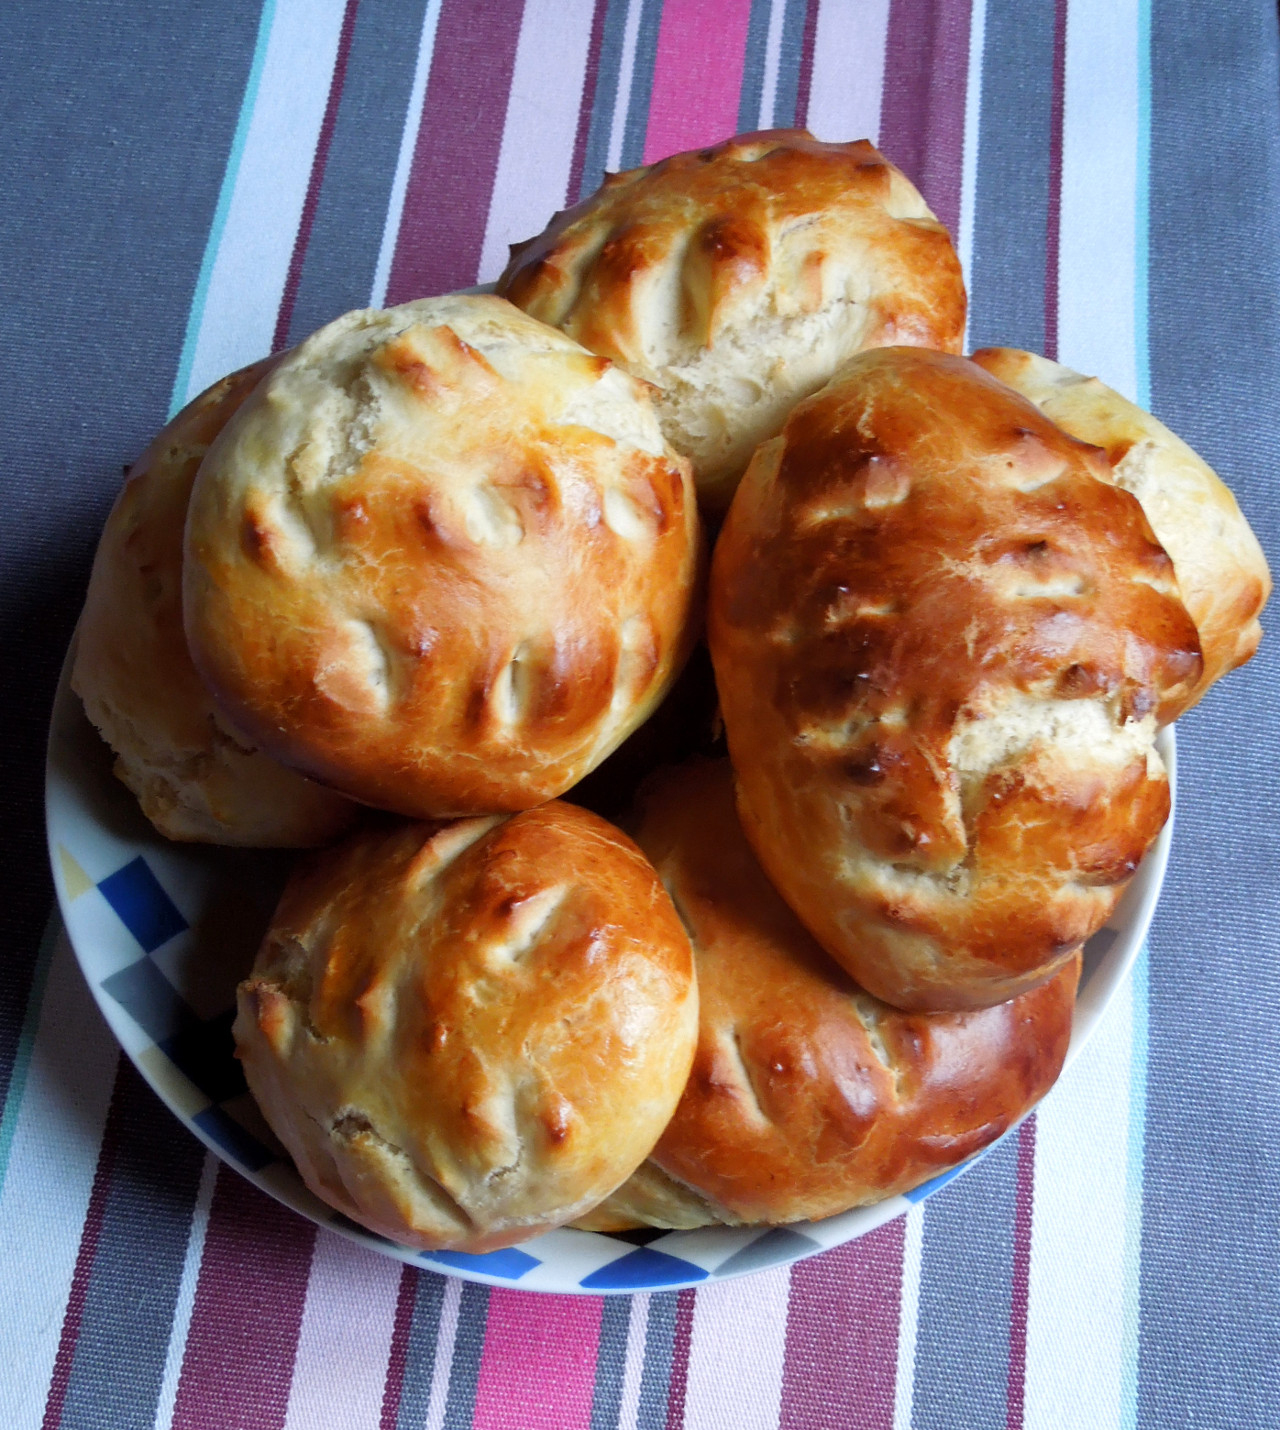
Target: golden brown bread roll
{"type": "Point", "coordinates": [942, 639]}
{"type": "Point", "coordinates": [1222, 573]}
{"type": "Point", "coordinates": [194, 778]}
{"type": "Point", "coordinates": [737, 279]}
{"type": "Point", "coordinates": [808, 1096]}
{"type": "Point", "coordinates": [467, 1034]}
{"type": "Point", "coordinates": [442, 560]}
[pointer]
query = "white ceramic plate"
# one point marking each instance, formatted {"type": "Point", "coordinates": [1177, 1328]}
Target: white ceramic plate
{"type": "Point", "coordinates": [164, 932]}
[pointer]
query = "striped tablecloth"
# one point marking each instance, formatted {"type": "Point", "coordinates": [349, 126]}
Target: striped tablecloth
{"type": "Point", "coordinates": [186, 186]}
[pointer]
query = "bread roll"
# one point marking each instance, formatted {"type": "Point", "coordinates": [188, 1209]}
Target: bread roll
{"type": "Point", "coordinates": [442, 560]}
{"type": "Point", "coordinates": [468, 1034]}
{"type": "Point", "coordinates": [941, 640]}
{"type": "Point", "coordinates": [1222, 573]}
{"type": "Point", "coordinates": [807, 1096]}
{"type": "Point", "coordinates": [737, 280]}
{"type": "Point", "coordinates": [194, 777]}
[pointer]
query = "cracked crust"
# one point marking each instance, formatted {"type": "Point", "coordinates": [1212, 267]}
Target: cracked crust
{"type": "Point", "coordinates": [195, 779]}
{"type": "Point", "coordinates": [738, 278]}
{"type": "Point", "coordinates": [1222, 573]}
{"type": "Point", "coordinates": [468, 1033]}
{"type": "Point", "coordinates": [442, 560]}
{"type": "Point", "coordinates": [943, 640]}
{"type": "Point", "coordinates": [808, 1096]}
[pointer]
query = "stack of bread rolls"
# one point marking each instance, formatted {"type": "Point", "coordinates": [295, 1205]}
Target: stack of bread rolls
{"type": "Point", "coordinates": [443, 560]}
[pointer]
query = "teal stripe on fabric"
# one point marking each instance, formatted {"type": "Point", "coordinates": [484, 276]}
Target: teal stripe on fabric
{"type": "Point", "coordinates": [195, 316]}
{"type": "Point", "coordinates": [1133, 1192]}
{"type": "Point", "coordinates": [26, 1041]}
{"type": "Point", "coordinates": [636, 129]}
{"type": "Point", "coordinates": [1142, 215]}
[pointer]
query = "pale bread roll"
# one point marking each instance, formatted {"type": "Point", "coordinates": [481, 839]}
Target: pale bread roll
{"type": "Point", "coordinates": [808, 1096]}
{"type": "Point", "coordinates": [1222, 573]}
{"type": "Point", "coordinates": [943, 641]}
{"type": "Point", "coordinates": [467, 1034]}
{"type": "Point", "coordinates": [195, 778]}
{"type": "Point", "coordinates": [737, 279]}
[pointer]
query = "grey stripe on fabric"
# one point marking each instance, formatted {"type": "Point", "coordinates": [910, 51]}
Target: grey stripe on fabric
{"type": "Point", "coordinates": [1006, 298]}
{"type": "Point", "coordinates": [99, 105]}
{"type": "Point", "coordinates": [655, 1377]}
{"type": "Point", "coordinates": [420, 1355]}
{"type": "Point", "coordinates": [337, 271]}
{"type": "Point", "coordinates": [790, 58]}
{"type": "Point", "coordinates": [120, 1352]}
{"type": "Point", "coordinates": [752, 88]}
{"type": "Point", "coordinates": [596, 158]}
{"type": "Point", "coordinates": [1210, 1294]}
{"type": "Point", "coordinates": [611, 1360]}
{"type": "Point", "coordinates": [637, 125]}
{"type": "Point", "coordinates": [464, 1374]}
{"type": "Point", "coordinates": [966, 1275]}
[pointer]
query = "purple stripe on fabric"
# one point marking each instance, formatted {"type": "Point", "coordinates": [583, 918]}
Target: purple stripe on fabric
{"type": "Point", "coordinates": [89, 1237]}
{"type": "Point", "coordinates": [589, 83]}
{"type": "Point", "coordinates": [1024, 1198]}
{"type": "Point", "coordinates": [679, 1382]}
{"type": "Point", "coordinates": [1053, 217]}
{"type": "Point", "coordinates": [842, 1336]}
{"type": "Point", "coordinates": [804, 82]}
{"type": "Point", "coordinates": [243, 1337]}
{"type": "Point", "coordinates": [289, 297]}
{"type": "Point", "coordinates": [446, 204]}
{"type": "Point", "coordinates": [399, 1355]}
{"type": "Point", "coordinates": [922, 112]}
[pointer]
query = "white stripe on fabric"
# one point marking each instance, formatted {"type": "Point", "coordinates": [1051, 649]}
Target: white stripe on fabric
{"type": "Point", "coordinates": [446, 1337]}
{"type": "Point", "coordinates": [532, 178]}
{"type": "Point", "coordinates": [1096, 265]}
{"type": "Point", "coordinates": [340, 1370]}
{"type": "Point", "coordinates": [626, 74]}
{"type": "Point", "coordinates": [186, 1298]}
{"type": "Point", "coordinates": [772, 59]}
{"type": "Point", "coordinates": [236, 322]}
{"type": "Point", "coordinates": [908, 1317]}
{"type": "Point", "coordinates": [736, 1353]}
{"type": "Point", "coordinates": [848, 70]}
{"type": "Point", "coordinates": [1075, 1308]}
{"type": "Point", "coordinates": [56, 1138]}
{"type": "Point", "coordinates": [633, 1364]}
{"type": "Point", "coordinates": [972, 129]}
{"type": "Point", "coordinates": [404, 160]}
{"type": "Point", "coordinates": [1140, 1033]}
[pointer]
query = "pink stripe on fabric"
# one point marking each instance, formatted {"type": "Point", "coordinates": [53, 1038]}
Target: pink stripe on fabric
{"type": "Point", "coordinates": [327, 125]}
{"type": "Point", "coordinates": [538, 1367]}
{"type": "Point", "coordinates": [922, 111]}
{"type": "Point", "coordinates": [678, 1383]}
{"type": "Point", "coordinates": [399, 1356]}
{"type": "Point", "coordinates": [238, 1363]}
{"type": "Point", "coordinates": [697, 75]}
{"type": "Point", "coordinates": [1053, 218]}
{"type": "Point", "coordinates": [1024, 1199]}
{"type": "Point", "coordinates": [80, 1277]}
{"type": "Point", "coordinates": [842, 1336]}
{"type": "Point", "coordinates": [446, 204]}
{"type": "Point", "coordinates": [804, 81]}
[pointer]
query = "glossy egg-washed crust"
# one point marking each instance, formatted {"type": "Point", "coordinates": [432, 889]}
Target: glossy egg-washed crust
{"type": "Point", "coordinates": [194, 778]}
{"type": "Point", "coordinates": [442, 559]}
{"type": "Point", "coordinates": [942, 639]}
{"type": "Point", "coordinates": [738, 278]}
{"type": "Point", "coordinates": [808, 1096]}
{"type": "Point", "coordinates": [467, 1034]}
{"type": "Point", "coordinates": [1222, 573]}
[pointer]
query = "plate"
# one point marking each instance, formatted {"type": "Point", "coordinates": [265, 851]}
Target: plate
{"type": "Point", "coordinates": [163, 932]}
